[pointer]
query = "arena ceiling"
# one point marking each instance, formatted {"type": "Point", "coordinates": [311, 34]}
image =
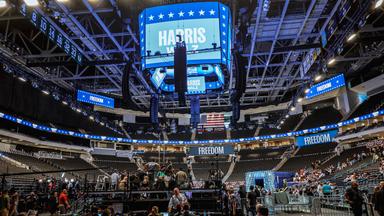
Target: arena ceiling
{"type": "Point", "coordinates": [276, 37]}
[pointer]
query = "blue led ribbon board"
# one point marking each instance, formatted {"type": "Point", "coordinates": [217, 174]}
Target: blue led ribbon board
{"type": "Point", "coordinates": [326, 86]}
{"type": "Point", "coordinates": [95, 99]}
{"type": "Point", "coordinates": [200, 25]}
{"type": "Point", "coordinates": [314, 139]}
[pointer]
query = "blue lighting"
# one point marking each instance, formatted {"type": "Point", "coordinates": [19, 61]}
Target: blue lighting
{"type": "Point", "coordinates": [326, 86]}
{"type": "Point", "coordinates": [95, 99]}
{"type": "Point", "coordinates": [180, 142]}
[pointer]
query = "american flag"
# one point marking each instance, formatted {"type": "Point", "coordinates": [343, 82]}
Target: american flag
{"type": "Point", "coordinates": [212, 120]}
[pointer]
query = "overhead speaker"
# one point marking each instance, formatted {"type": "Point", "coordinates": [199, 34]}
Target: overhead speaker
{"type": "Point", "coordinates": [154, 114]}
{"type": "Point", "coordinates": [240, 73]}
{"type": "Point", "coordinates": [127, 99]}
{"type": "Point", "coordinates": [180, 61]}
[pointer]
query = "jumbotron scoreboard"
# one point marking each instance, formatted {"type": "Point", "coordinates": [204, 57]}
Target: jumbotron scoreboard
{"type": "Point", "coordinates": [206, 29]}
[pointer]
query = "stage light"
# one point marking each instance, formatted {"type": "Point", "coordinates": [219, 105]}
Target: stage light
{"type": "Point", "coordinates": [3, 4]}
{"type": "Point", "coordinates": [78, 110]}
{"type": "Point", "coordinates": [306, 90]}
{"type": "Point", "coordinates": [62, 0]}
{"type": "Point", "coordinates": [331, 61]}
{"type": "Point", "coordinates": [65, 103]}
{"type": "Point", "coordinates": [293, 108]}
{"type": "Point", "coordinates": [45, 92]}
{"type": "Point", "coordinates": [351, 37]}
{"type": "Point", "coordinates": [102, 123]}
{"type": "Point", "coordinates": [31, 3]}
{"type": "Point", "coordinates": [318, 77]}
{"type": "Point", "coordinates": [379, 3]}
{"type": "Point", "coordinates": [287, 116]}
{"type": "Point", "coordinates": [282, 122]}
{"type": "Point", "coordinates": [91, 118]}
{"type": "Point", "coordinates": [299, 100]}
{"type": "Point", "coordinates": [22, 79]}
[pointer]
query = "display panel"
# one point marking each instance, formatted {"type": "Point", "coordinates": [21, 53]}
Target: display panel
{"type": "Point", "coordinates": [326, 86]}
{"type": "Point", "coordinates": [196, 85]}
{"type": "Point", "coordinates": [200, 25]}
{"type": "Point", "coordinates": [314, 139]}
{"type": "Point", "coordinates": [95, 99]}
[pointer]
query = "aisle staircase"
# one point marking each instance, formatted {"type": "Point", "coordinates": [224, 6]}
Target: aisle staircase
{"type": "Point", "coordinates": [285, 158]}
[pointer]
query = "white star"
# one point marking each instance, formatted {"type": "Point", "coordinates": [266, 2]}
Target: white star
{"type": "Point", "coordinates": [141, 24]}
{"type": "Point", "coordinates": [191, 13]}
{"type": "Point", "coordinates": [142, 32]}
{"type": "Point", "coordinates": [141, 16]}
{"type": "Point", "coordinates": [181, 14]}
{"type": "Point", "coordinates": [224, 25]}
{"type": "Point", "coordinates": [223, 8]}
{"type": "Point", "coordinates": [223, 33]}
{"type": "Point", "coordinates": [224, 50]}
{"type": "Point", "coordinates": [223, 41]}
{"type": "Point", "coordinates": [161, 16]}
{"type": "Point", "coordinates": [170, 15]}
{"type": "Point", "coordinates": [142, 40]}
{"type": "Point", "coordinates": [212, 12]}
{"type": "Point", "coordinates": [223, 17]}
{"type": "Point", "coordinates": [151, 17]}
{"type": "Point", "coordinates": [201, 12]}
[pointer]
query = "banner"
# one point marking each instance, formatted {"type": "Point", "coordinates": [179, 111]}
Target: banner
{"type": "Point", "coordinates": [319, 138]}
{"type": "Point", "coordinates": [95, 99]}
{"type": "Point", "coordinates": [211, 150]}
{"type": "Point", "coordinates": [326, 86]}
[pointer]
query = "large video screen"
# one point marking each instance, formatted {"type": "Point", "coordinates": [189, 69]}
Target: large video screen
{"type": "Point", "coordinates": [200, 25]}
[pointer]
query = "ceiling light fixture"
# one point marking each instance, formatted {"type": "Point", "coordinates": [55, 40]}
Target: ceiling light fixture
{"type": "Point", "coordinates": [287, 116]}
{"type": "Point", "coordinates": [293, 108]}
{"type": "Point", "coordinates": [379, 3]}
{"type": "Point", "coordinates": [22, 79]}
{"type": "Point", "coordinates": [299, 100]}
{"type": "Point", "coordinates": [31, 3]}
{"type": "Point", "coordinates": [351, 37]}
{"type": "Point", "coordinates": [65, 103]}
{"type": "Point", "coordinates": [331, 61]}
{"type": "Point", "coordinates": [3, 4]}
{"type": "Point", "coordinates": [306, 90]}
{"type": "Point", "coordinates": [318, 77]}
{"type": "Point", "coordinates": [45, 92]}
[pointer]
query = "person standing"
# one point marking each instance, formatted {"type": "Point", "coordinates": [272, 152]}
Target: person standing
{"type": "Point", "coordinates": [5, 202]}
{"type": "Point", "coordinates": [114, 180]}
{"type": "Point", "coordinates": [64, 201]}
{"type": "Point", "coordinates": [252, 199]}
{"type": "Point", "coordinates": [243, 200]}
{"type": "Point", "coordinates": [355, 199]}
{"type": "Point", "coordinates": [177, 199]}
{"type": "Point", "coordinates": [379, 199]}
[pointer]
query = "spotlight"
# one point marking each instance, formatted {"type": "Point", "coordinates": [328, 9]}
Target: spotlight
{"type": "Point", "coordinates": [306, 90]}
{"type": "Point", "coordinates": [293, 108]}
{"type": "Point", "coordinates": [91, 118]}
{"type": "Point", "coordinates": [299, 100]}
{"type": "Point", "coordinates": [45, 92]}
{"type": "Point", "coordinates": [3, 4]}
{"type": "Point", "coordinates": [331, 61]}
{"type": "Point", "coordinates": [318, 78]}
{"type": "Point", "coordinates": [282, 122]}
{"type": "Point", "coordinates": [31, 3]}
{"type": "Point", "coordinates": [287, 116]}
{"type": "Point", "coordinates": [378, 3]}
{"type": "Point", "coordinates": [102, 123]}
{"type": "Point", "coordinates": [65, 103]}
{"type": "Point", "coordinates": [22, 79]}
{"type": "Point", "coordinates": [78, 110]}
{"type": "Point", "coordinates": [62, 0]}
{"type": "Point", "coordinates": [351, 37]}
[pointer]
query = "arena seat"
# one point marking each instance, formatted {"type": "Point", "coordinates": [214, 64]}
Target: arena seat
{"type": "Point", "coordinates": [316, 118]}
